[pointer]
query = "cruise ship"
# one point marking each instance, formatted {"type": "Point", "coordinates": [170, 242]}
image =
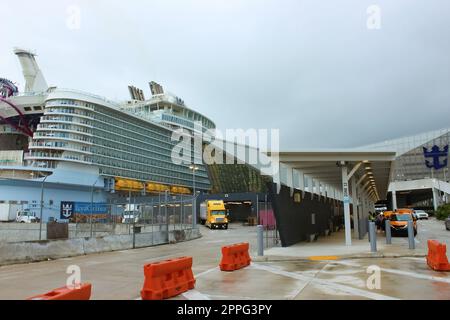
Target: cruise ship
{"type": "Point", "coordinates": [61, 144]}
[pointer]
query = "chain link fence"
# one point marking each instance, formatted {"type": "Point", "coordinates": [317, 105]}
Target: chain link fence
{"type": "Point", "coordinates": [157, 214]}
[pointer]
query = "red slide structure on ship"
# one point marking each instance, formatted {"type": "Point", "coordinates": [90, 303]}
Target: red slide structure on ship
{"type": "Point", "coordinates": [8, 89]}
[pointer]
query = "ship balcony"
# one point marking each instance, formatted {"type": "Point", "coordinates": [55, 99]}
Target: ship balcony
{"type": "Point", "coordinates": [58, 104]}
{"type": "Point", "coordinates": [63, 128]}
{"type": "Point", "coordinates": [43, 156]}
{"type": "Point", "coordinates": [40, 136]}
{"type": "Point", "coordinates": [59, 147]}
{"type": "Point", "coordinates": [74, 121]}
{"type": "Point", "coordinates": [51, 113]}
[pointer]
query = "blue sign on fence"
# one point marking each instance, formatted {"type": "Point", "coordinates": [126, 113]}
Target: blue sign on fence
{"type": "Point", "coordinates": [70, 208]}
{"type": "Point", "coordinates": [66, 210]}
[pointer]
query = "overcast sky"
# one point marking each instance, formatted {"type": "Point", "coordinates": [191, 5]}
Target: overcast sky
{"type": "Point", "coordinates": [311, 68]}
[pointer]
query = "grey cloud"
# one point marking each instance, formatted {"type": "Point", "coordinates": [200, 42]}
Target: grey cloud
{"type": "Point", "coordinates": [310, 68]}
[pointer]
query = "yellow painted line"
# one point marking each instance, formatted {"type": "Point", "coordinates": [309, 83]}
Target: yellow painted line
{"type": "Point", "coordinates": [319, 258]}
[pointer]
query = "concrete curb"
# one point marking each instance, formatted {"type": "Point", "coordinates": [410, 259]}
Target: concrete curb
{"type": "Point", "coordinates": [378, 255]}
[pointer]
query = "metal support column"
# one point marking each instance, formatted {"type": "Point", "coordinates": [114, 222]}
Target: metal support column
{"type": "Point", "coordinates": [394, 197]}
{"type": "Point", "coordinates": [355, 202]}
{"type": "Point", "coordinates": [346, 200]}
{"type": "Point", "coordinates": [435, 199]}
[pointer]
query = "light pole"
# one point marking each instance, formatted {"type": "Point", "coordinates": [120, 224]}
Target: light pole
{"type": "Point", "coordinates": [92, 204]}
{"type": "Point", "coordinates": [42, 206]}
{"type": "Point", "coordinates": [194, 202]}
{"type": "Point", "coordinates": [193, 168]}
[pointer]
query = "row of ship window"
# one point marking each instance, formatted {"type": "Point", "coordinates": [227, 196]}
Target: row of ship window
{"type": "Point", "coordinates": [66, 135]}
{"type": "Point", "coordinates": [170, 176]}
{"type": "Point", "coordinates": [131, 155]}
{"type": "Point", "coordinates": [58, 144]}
{"type": "Point", "coordinates": [129, 123]}
{"type": "Point", "coordinates": [67, 119]}
{"type": "Point", "coordinates": [59, 155]}
{"type": "Point", "coordinates": [148, 148]}
{"type": "Point", "coordinates": [69, 111]}
{"type": "Point", "coordinates": [117, 120]}
{"type": "Point", "coordinates": [70, 102]}
{"type": "Point", "coordinates": [129, 136]}
{"type": "Point", "coordinates": [141, 164]}
{"type": "Point", "coordinates": [61, 126]}
{"type": "Point", "coordinates": [114, 121]}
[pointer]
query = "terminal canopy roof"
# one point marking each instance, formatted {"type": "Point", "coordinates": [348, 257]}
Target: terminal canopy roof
{"type": "Point", "coordinates": [371, 170]}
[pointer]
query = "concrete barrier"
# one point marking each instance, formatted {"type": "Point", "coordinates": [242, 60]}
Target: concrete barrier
{"type": "Point", "coordinates": [108, 243]}
{"type": "Point", "coordinates": [34, 251]}
{"type": "Point", "coordinates": [20, 252]}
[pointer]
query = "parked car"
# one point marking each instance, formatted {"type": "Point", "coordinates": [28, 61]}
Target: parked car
{"type": "Point", "coordinates": [447, 224]}
{"type": "Point", "coordinates": [399, 223]}
{"type": "Point", "coordinates": [421, 215]}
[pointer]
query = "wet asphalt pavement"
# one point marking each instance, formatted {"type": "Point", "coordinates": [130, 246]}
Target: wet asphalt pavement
{"type": "Point", "coordinates": [119, 275]}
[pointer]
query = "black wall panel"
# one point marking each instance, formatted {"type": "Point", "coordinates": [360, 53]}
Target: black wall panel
{"type": "Point", "coordinates": [294, 219]}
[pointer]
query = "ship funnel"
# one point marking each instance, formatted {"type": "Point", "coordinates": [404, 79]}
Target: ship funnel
{"type": "Point", "coordinates": [34, 78]}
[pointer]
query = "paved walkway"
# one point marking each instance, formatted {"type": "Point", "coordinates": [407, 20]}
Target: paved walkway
{"type": "Point", "coordinates": [333, 246]}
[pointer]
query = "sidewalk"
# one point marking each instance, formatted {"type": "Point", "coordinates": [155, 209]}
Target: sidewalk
{"type": "Point", "coordinates": [333, 248]}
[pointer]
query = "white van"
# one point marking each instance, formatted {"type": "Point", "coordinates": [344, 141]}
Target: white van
{"type": "Point", "coordinates": [26, 216]}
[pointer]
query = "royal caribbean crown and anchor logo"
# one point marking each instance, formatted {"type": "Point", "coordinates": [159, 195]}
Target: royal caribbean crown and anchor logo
{"type": "Point", "coordinates": [436, 154]}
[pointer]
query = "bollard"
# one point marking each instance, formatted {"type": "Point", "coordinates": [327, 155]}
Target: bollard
{"type": "Point", "coordinates": [373, 237]}
{"type": "Point", "coordinates": [412, 244]}
{"type": "Point", "coordinates": [260, 236]}
{"type": "Point", "coordinates": [387, 227]}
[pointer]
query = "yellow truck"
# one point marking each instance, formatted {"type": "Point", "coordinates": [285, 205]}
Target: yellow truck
{"type": "Point", "coordinates": [213, 214]}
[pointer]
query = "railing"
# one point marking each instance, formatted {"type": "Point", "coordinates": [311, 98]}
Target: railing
{"type": "Point", "coordinates": [30, 94]}
{"type": "Point", "coordinates": [65, 127]}
{"type": "Point", "coordinates": [43, 155]}
{"type": "Point", "coordinates": [58, 146]}
{"type": "Point", "coordinates": [88, 94]}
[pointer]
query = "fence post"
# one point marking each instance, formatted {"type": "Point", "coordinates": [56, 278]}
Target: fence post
{"type": "Point", "coordinates": [267, 218]}
{"type": "Point", "coordinates": [260, 240]}
{"type": "Point", "coordinates": [152, 208]}
{"type": "Point", "coordinates": [373, 237]}
{"type": "Point", "coordinates": [194, 212]}
{"type": "Point", "coordinates": [387, 227]}
{"type": "Point", "coordinates": [412, 244]}
{"type": "Point", "coordinates": [182, 212]}
{"type": "Point", "coordinates": [166, 213]}
{"type": "Point", "coordinates": [135, 215]}
{"type": "Point", "coordinates": [42, 208]}
{"type": "Point", "coordinates": [257, 209]}
{"type": "Point", "coordinates": [92, 209]}
{"type": "Point", "coordinates": [129, 208]}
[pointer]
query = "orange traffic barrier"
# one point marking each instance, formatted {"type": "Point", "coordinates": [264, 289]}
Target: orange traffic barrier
{"type": "Point", "coordinates": [437, 256]}
{"type": "Point", "coordinates": [166, 279]}
{"type": "Point", "coordinates": [82, 292]}
{"type": "Point", "coordinates": [235, 257]}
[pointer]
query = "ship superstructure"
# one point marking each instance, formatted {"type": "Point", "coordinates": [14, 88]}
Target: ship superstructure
{"type": "Point", "coordinates": [81, 141]}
